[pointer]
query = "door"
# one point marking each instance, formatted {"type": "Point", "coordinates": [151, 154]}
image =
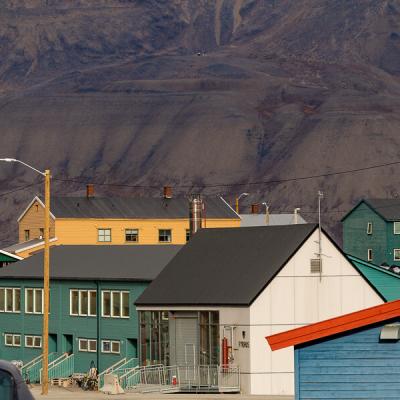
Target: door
{"type": "Point", "coordinates": [131, 348]}
{"type": "Point", "coordinates": [186, 341]}
{"type": "Point", "coordinates": [68, 345]}
{"type": "Point", "coordinates": [52, 343]}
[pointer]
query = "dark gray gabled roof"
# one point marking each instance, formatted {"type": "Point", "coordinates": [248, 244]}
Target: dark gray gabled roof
{"type": "Point", "coordinates": [388, 209]}
{"type": "Point", "coordinates": [135, 207]}
{"type": "Point", "coordinates": [96, 262]}
{"type": "Point", "coordinates": [228, 266]}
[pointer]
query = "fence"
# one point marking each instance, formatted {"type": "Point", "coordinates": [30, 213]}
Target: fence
{"type": "Point", "coordinates": [186, 378]}
{"type": "Point", "coordinates": [109, 370]}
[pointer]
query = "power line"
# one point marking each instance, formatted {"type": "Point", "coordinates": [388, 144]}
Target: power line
{"type": "Point", "coordinates": [18, 189]}
{"type": "Point", "coordinates": [219, 185]}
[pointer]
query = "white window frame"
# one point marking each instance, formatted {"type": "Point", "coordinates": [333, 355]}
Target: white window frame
{"type": "Point", "coordinates": [35, 311]}
{"type": "Point", "coordinates": [34, 338]}
{"type": "Point", "coordinates": [137, 235]}
{"type": "Point", "coordinates": [394, 228]}
{"type": "Point", "coordinates": [110, 342]}
{"type": "Point", "coordinates": [394, 255]}
{"type": "Point", "coordinates": [13, 336]}
{"type": "Point", "coordinates": [112, 315]}
{"type": "Point", "coordinates": [81, 314]}
{"type": "Point", "coordinates": [369, 228]}
{"type": "Point", "coordinates": [369, 255]}
{"type": "Point", "coordinates": [89, 342]}
{"type": "Point", "coordinates": [5, 295]}
{"type": "Point", "coordinates": [104, 235]}
{"type": "Point", "coordinates": [170, 236]}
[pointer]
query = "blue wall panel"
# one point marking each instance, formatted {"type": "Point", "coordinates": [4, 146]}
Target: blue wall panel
{"type": "Point", "coordinates": [352, 366]}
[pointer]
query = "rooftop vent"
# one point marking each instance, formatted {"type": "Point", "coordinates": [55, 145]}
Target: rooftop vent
{"type": "Point", "coordinates": [316, 266]}
{"type": "Point", "coordinates": [89, 191]}
{"type": "Point", "coordinates": [167, 192]}
{"type": "Point", "coordinates": [255, 208]}
{"type": "Point", "coordinates": [390, 332]}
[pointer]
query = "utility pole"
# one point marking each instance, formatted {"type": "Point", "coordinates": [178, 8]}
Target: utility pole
{"type": "Point", "coordinates": [46, 285]}
{"type": "Point", "coordinates": [320, 197]}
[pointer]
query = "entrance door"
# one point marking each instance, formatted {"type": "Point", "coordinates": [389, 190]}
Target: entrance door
{"type": "Point", "coordinates": [186, 339]}
{"type": "Point", "coordinates": [131, 348]}
{"type": "Point", "coordinates": [68, 345]}
{"type": "Point", "coordinates": [52, 343]}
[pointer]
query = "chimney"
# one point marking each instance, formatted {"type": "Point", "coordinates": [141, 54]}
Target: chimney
{"type": "Point", "coordinates": [89, 191]}
{"type": "Point", "coordinates": [195, 213]}
{"type": "Point", "coordinates": [255, 208]}
{"type": "Point", "coordinates": [167, 192]}
{"type": "Point", "coordinates": [295, 216]}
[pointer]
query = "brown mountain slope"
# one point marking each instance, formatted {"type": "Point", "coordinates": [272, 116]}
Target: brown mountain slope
{"type": "Point", "coordinates": [284, 88]}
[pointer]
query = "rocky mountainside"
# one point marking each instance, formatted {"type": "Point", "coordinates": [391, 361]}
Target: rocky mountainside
{"type": "Point", "coordinates": [201, 92]}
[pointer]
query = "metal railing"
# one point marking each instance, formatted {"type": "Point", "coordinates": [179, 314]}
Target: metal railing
{"type": "Point", "coordinates": [183, 378]}
{"type": "Point", "coordinates": [63, 367]}
{"type": "Point", "coordinates": [109, 370]}
{"type": "Point", "coordinates": [32, 370]}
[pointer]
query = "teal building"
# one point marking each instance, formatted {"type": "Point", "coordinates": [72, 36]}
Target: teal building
{"type": "Point", "coordinates": [92, 295]}
{"type": "Point", "coordinates": [371, 231]}
{"type": "Point", "coordinates": [7, 258]}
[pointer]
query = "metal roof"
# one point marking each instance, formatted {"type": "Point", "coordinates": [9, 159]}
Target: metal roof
{"type": "Point", "coordinates": [136, 207]}
{"type": "Point", "coordinates": [226, 266]}
{"type": "Point", "coordinates": [333, 326]}
{"type": "Point", "coordinates": [388, 209]}
{"type": "Point", "coordinates": [96, 262]}
{"type": "Point", "coordinates": [29, 244]}
{"type": "Point", "coordinates": [274, 219]}
{"type": "Point", "coordinates": [387, 283]}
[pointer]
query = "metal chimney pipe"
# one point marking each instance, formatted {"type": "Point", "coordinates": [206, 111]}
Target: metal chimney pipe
{"type": "Point", "coordinates": [296, 215]}
{"type": "Point", "coordinates": [195, 213]}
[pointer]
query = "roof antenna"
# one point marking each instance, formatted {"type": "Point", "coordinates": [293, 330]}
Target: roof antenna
{"type": "Point", "coordinates": [320, 197]}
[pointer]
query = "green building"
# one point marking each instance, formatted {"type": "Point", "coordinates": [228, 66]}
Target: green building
{"type": "Point", "coordinates": [8, 258]}
{"type": "Point", "coordinates": [92, 295]}
{"type": "Point", "coordinates": [371, 231]}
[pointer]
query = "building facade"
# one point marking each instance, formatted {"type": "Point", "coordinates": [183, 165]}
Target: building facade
{"type": "Point", "coordinates": [354, 356]}
{"type": "Point", "coordinates": [232, 286]}
{"type": "Point", "coordinates": [92, 295]}
{"type": "Point", "coordinates": [371, 231]}
{"type": "Point", "coordinates": [94, 220]}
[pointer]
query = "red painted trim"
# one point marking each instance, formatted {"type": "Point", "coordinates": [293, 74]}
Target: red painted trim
{"type": "Point", "coordinates": [336, 325]}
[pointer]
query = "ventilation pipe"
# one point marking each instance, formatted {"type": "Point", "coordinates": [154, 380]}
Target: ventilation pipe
{"type": "Point", "coordinates": [255, 208]}
{"type": "Point", "coordinates": [167, 194]}
{"type": "Point", "coordinates": [296, 216]}
{"type": "Point", "coordinates": [195, 213]}
{"type": "Point", "coordinates": [89, 191]}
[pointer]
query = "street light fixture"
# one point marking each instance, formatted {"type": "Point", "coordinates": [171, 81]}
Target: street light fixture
{"type": "Point", "coordinates": [266, 213]}
{"type": "Point", "coordinates": [237, 201]}
{"type": "Point", "coordinates": [46, 274]}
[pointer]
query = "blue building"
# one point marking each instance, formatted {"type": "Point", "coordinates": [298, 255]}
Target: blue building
{"type": "Point", "coordinates": [354, 356]}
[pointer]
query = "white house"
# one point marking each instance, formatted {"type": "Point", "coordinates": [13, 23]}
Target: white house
{"type": "Point", "coordinates": [242, 285]}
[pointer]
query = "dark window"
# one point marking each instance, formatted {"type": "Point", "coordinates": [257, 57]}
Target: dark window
{"type": "Point", "coordinates": [187, 235]}
{"type": "Point", "coordinates": [164, 235]}
{"type": "Point", "coordinates": [132, 235]}
{"type": "Point", "coordinates": [27, 235]}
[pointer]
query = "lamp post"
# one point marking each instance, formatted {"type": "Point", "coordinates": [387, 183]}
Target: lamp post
{"type": "Point", "coordinates": [46, 274]}
{"type": "Point", "coordinates": [237, 201]}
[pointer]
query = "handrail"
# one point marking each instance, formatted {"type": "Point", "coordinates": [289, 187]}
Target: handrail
{"type": "Point", "coordinates": [58, 359]}
{"type": "Point", "coordinates": [114, 366]}
{"type": "Point", "coordinates": [65, 356]}
{"type": "Point", "coordinates": [34, 361]}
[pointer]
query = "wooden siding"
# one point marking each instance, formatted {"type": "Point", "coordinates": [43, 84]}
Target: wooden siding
{"type": "Point", "coordinates": [62, 323]}
{"type": "Point", "coordinates": [78, 231]}
{"type": "Point", "coordinates": [352, 366]}
{"type": "Point", "coordinates": [33, 220]}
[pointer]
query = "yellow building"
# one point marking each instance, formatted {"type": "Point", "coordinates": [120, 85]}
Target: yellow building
{"type": "Point", "coordinates": [94, 220]}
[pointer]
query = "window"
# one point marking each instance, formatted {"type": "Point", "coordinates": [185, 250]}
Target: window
{"type": "Point", "coordinates": [132, 235]}
{"type": "Point", "coordinates": [27, 235]}
{"type": "Point", "coordinates": [83, 302]}
{"type": "Point", "coordinates": [89, 345]}
{"type": "Point", "coordinates": [10, 300]}
{"type": "Point", "coordinates": [33, 341]}
{"type": "Point", "coordinates": [115, 304]}
{"type": "Point", "coordinates": [187, 235]}
{"type": "Point", "coordinates": [104, 235]}
{"type": "Point", "coordinates": [369, 228]}
{"type": "Point", "coordinates": [164, 235]}
{"type": "Point", "coordinates": [396, 254]}
{"type": "Point", "coordinates": [41, 232]}
{"type": "Point", "coordinates": [396, 228]}
{"type": "Point", "coordinates": [369, 255]}
{"type": "Point", "coordinates": [11, 339]}
{"type": "Point", "coordinates": [34, 301]}
{"type": "Point", "coordinates": [110, 346]}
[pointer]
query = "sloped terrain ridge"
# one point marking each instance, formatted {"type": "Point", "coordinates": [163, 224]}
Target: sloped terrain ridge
{"type": "Point", "coordinates": [198, 92]}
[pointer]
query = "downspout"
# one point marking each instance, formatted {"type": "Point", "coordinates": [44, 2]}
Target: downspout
{"type": "Point", "coordinates": [98, 326]}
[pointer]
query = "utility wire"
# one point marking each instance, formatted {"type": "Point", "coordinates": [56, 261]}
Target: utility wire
{"type": "Point", "coordinates": [18, 189]}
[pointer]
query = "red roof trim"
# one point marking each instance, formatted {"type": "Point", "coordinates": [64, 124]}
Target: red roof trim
{"type": "Point", "coordinates": [334, 326]}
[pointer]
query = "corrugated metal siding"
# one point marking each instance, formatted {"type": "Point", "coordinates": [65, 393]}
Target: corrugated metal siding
{"type": "Point", "coordinates": [353, 366]}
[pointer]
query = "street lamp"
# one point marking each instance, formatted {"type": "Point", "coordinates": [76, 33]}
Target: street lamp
{"type": "Point", "coordinates": [266, 213]}
{"type": "Point", "coordinates": [46, 268]}
{"type": "Point", "coordinates": [237, 201]}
